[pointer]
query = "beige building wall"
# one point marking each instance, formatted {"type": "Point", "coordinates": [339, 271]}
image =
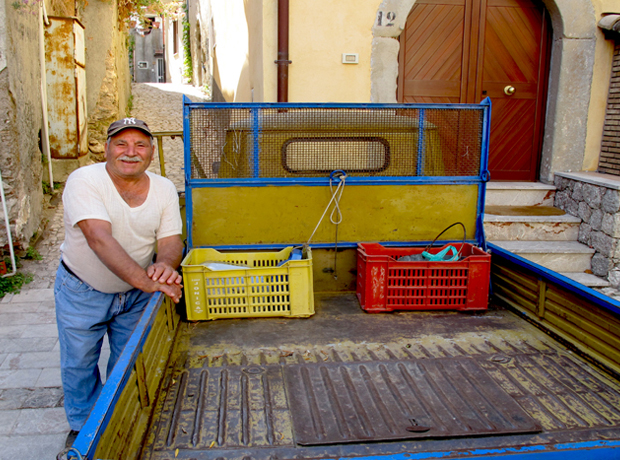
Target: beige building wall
{"type": "Point", "coordinates": [174, 61]}
{"type": "Point", "coordinates": [246, 46]}
{"type": "Point", "coordinates": [320, 32]}
{"type": "Point", "coordinates": [230, 50]}
{"type": "Point", "coordinates": [600, 86]}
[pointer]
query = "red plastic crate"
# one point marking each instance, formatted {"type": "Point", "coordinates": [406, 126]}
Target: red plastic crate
{"type": "Point", "coordinates": [386, 284]}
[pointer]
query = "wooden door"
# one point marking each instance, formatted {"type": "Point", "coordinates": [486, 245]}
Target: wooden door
{"type": "Point", "coordinates": [465, 50]}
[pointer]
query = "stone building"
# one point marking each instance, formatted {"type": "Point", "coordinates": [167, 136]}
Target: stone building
{"type": "Point", "coordinates": [99, 56]}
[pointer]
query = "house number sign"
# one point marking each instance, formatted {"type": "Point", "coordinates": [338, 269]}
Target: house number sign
{"type": "Point", "coordinates": [386, 19]}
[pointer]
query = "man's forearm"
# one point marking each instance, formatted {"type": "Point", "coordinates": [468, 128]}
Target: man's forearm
{"type": "Point", "coordinates": [98, 233]}
{"type": "Point", "coordinates": [116, 259]}
{"type": "Point", "coordinates": [170, 251]}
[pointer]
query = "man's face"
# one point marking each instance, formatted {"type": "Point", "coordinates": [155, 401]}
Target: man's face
{"type": "Point", "coordinates": [129, 153]}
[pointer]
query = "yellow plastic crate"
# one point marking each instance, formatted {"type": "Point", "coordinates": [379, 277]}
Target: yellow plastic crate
{"type": "Point", "coordinates": [264, 289]}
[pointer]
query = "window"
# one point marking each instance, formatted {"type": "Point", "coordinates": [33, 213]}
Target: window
{"type": "Point", "coordinates": [324, 154]}
{"type": "Point", "coordinates": [175, 36]}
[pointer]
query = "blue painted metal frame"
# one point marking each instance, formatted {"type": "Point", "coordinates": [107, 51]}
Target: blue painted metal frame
{"type": "Point", "coordinates": [97, 422]}
{"type": "Point", "coordinates": [592, 450]}
{"type": "Point", "coordinates": [256, 181]}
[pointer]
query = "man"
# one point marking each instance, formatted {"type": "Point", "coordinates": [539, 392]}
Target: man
{"type": "Point", "coordinates": [115, 213]}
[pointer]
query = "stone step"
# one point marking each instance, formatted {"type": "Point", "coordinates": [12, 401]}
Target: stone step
{"type": "Point", "coordinates": [531, 228]}
{"type": "Point", "coordinates": [587, 279]}
{"type": "Point", "coordinates": [559, 256]}
{"type": "Point", "coordinates": [519, 194]}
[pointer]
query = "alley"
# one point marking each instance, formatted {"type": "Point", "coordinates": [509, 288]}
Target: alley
{"type": "Point", "coordinates": [32, 419]}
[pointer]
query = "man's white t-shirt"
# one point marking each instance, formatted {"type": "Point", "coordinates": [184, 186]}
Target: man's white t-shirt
{"type": "Point", "coordinates": [90, 194]}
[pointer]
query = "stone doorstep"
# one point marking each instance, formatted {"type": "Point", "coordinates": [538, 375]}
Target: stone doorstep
{"type": "Point", "coordinates": [554, 255]}
{"type": "Point", "coordinates": [533, 228]}
{"type": "Point", "coordinates": [519, 194]}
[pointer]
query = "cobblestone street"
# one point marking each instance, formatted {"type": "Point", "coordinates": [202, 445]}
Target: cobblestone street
{"type": "Point", "coordinates": [32, 419]}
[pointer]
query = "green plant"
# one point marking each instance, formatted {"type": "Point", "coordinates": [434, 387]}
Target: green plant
{"type": "Point", "coordinates": [47, 190]}
{"type": "Point", "coordinates": [13, 284]}
{"type": "Point", "coordinates": [33, 254]}
{"type": "Point", "coordinates": [129, 106]}
{"type": "Point", "coordinates": [132, 10]}
{"type": "Point", "coordinates": [188, 68]}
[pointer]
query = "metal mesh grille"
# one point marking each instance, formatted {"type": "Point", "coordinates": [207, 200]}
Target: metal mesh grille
{"type": "Point", "coordinates": [267, 142]}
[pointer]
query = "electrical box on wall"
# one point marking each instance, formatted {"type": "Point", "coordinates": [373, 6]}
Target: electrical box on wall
{"type": "Point", "coordinates": [350, 58]}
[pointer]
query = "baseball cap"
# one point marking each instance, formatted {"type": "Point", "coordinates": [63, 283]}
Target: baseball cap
{"type": "Point", "coordinates": [127, 123]}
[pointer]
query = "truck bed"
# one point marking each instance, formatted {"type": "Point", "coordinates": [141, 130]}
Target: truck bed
{"type": "Point", "coordinates": [347, 383]}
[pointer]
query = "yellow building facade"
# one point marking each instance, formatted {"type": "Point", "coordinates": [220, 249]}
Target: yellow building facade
{"type": "Point", "coordinates": [348, 51]}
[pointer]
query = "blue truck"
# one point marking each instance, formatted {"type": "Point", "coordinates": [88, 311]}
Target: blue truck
{"type": "Point", "coordinates": [283, 357]}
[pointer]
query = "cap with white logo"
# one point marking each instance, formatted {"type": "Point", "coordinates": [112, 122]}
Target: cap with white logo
{"type": "Point", "coordinates": [126, 123]}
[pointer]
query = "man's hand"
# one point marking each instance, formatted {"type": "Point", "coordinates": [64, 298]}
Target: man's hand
{"type": "Point", "coordinates": [173, 290]}
{"type": "Point", "coordinates": [163, 273]}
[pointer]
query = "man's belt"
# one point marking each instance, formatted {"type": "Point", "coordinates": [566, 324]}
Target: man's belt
{"type": "Point", "coordinates": [68, 269]}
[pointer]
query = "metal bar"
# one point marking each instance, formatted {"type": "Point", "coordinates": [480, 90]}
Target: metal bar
{"type": "Point", "coordinates": [329, 105]}
{"type": "Point", "coordinates": [420, 165]}
{"type": "Point", "coordinates": [187, 161]}
{"type": "Point", "coordinates": [542, 295]}
{"type": "Point", "coordinates": [341, 244]}
{"type": "Point", "coordinates": [320, 181]}
{"type": "Point", "coordinates": [256, 141]}
{"type": "Point", "coordinates": [143, 390]}
{"type": "Point", "coordinates": [589, 450]}
{"type": "Point", "coordinates": [159, 135]}
{"type": "Point", "coordinates": [484, 172]}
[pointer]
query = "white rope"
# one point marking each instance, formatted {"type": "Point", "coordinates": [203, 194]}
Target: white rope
{"type": "Point", "coordinates": [336, 196]}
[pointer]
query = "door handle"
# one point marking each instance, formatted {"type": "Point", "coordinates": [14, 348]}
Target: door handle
{"type": "Point", "coordinates": [509, 90]}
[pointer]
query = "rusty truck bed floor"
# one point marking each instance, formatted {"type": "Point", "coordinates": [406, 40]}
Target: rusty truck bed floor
{"type": "Point", "coordinates": [347, 383]}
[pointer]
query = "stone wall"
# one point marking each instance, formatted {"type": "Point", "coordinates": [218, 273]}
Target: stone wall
{"type": "Point", "coordinates": [108, 81]}
{"type": "Point", "coordinates": [21, 161]}
{"type": "Point", "coordinates": [598, 206]}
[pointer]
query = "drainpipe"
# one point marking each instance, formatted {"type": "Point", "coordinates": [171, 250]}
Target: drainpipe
{"type": "Point", "coordinates": [283, 61]}
{"type": "Point", "coordinates": [45, 134]}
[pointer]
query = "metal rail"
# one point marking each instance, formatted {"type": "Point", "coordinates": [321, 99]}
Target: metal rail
{"type": "Point", "coordinates": [159, 135]}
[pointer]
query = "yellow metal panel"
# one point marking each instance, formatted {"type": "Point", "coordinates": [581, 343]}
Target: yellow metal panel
{"type": "Point", "coordinates": [592, 331]}
{"type": "Point", "coordinates": [128, 425]}
{"type": "Point", "coordinates": [265, 215]}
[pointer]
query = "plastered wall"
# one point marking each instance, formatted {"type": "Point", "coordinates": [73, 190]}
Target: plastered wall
{"type": "Point", "coordinates": [20, 122]}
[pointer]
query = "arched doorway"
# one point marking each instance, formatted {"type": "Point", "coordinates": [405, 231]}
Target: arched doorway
{"type": "Point", "coordinates": [461, 51]}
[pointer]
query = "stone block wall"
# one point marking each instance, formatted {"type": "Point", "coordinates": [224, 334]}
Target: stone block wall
{"type": "Point", "coordinates": [598, 207]}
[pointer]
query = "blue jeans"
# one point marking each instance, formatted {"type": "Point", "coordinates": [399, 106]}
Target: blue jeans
{"type": "Point", "coordinates": [84, 315]}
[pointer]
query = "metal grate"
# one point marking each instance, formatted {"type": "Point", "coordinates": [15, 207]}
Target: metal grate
{"type": "Point", "coordinates": [296, 142]}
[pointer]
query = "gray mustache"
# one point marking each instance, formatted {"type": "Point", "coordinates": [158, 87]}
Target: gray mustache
{"type": "Point", "coordinates": [130, 159]}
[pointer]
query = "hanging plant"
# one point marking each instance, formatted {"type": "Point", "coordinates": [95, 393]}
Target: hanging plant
{"type": "Point", "coordinates": [132, 10]}
{"type": "Point", "coordinates": [188, 68]}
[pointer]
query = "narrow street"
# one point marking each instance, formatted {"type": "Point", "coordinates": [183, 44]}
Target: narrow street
{"type": "Point", "coordinates": [32, 419]}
